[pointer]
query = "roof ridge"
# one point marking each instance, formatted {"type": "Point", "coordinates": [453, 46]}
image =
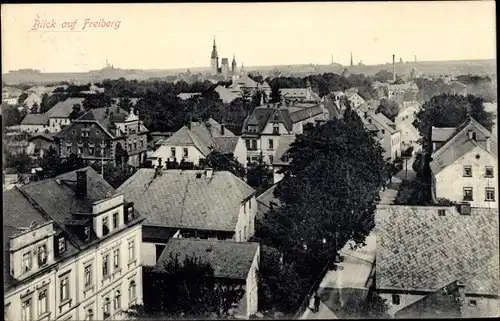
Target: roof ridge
{"type": "Point", "coordinates": [213, 241]}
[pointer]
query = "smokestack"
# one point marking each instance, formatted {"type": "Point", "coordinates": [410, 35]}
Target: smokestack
{"type": "Point", "coordinates": [393, 68]}
{"type": "Point", "coordinates": [81, 184]}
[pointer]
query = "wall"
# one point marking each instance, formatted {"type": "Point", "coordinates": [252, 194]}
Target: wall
{"type": "Point", "coordinates": [485, 307]}
{"type": "Point", "coordinates": [240, 152]}
{"type": "Point", "coordinates": [252, 286]}
{"type": "Point", "coordinates": [246, 219]}
{"type": "Point", "coordinates": [454, 173]}
{"type": "Point", "coordinates": [396, 145]}
{"type": "Point", "coordinates": [34, 128]}
{"type": "Point", "coordinates": [405, 300]}
{"type": "Point", "coordinates": [55, 124]}
{"type": "Point", "coordinates": [277, 176]}
{"type": "Point", "coordinates": [164, 153]}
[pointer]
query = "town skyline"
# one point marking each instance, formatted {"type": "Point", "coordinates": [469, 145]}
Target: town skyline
{"type": "Point", "coordinates": [155, 36]}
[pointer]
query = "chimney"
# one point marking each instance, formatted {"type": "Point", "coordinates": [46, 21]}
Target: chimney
{"type": "Point", "coordinates": [393, 68]}
{"type": "Point", "coordinates": [189, 124]}
{"type": "Point", "coordinates": [222, 129]}
{"type": "Point", "coordinates": [461, 296]}
{"type": "Point", "coordinates": [488, 144]}
{"type": "Point", "coordinates": [464, 208]}
{"type": "Point", "coordinates": [81, 184]}
{"type": "Point", "coordinates": [209, 172]}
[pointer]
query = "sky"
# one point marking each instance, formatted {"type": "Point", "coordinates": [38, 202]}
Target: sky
{"type": "Point", "coordinates": [169, 36]}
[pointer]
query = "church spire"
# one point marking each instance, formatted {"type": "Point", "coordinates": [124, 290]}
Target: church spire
{"type": "Point", "coordinates": [352, 64]}
{"type": "Point", "coordinates": [233, 64]}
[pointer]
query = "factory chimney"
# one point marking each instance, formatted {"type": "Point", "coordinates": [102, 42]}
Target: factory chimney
{"type": "Point", "coordinates": [393, 68]}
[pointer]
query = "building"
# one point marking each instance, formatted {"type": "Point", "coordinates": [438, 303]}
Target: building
{"type": "Point", "coordinates": [226, 95]}
{"type": "Point", "coordinates": [267, 200]}
{"type": "Point", "coordinates": [41, 143]}
{"type": "Point", "coordinates": [186, 96]}
{"type": "Point", "coordinates": [59, 114]}
{"type": "Point", "coordinates": [386, 133]}
{"type": "Point", "coordinates": [468, 157]}
{"type": "Point", "coordinates": [421, 250]}
{"type": "Point", "coordinates": [404, 122]}
{"type": "Point", "coordinates": [244, 87]}
{"type": "Point", "coordinates": [281, 160]}
{"type": "Point", "coordinates": [300, 94]}
{"type": "Point", "coordinates": [35, 123]}
{"type": "Point", "coordinates": [105, 129]}
{"type": "Point", "coordinates": [234, 263]}
{"type": "Point", "coordinates": [224, 70]}
{"type": "Point", "coordinates": [263, 128]}
{"type": "Point", "coordinates": [196, 141]}
{"type": "Point", "coordinates": [31, 100]}
{"type": "Point", "coordinates": [190, 204]}
{"type": "Point", "coordinates": [72, 250]}
{"type": "Point", "coordinates": [354, 99]}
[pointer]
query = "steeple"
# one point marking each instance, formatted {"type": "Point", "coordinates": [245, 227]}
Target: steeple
{"type": "Point", "coordinates": [352, 64]}
{"type": "Point", "coordinates": [214, 51]}
{"type": "Point", "coordinates": [242, 70]}
{"type": "Point", "coordinates": [233, 64]}
{"type": "Point", "coordinates": [214, 60]}
{"type": "Point", "coordinates": [332, 59]}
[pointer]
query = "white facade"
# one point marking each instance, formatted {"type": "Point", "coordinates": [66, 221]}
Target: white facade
{"type": "Point", "coordinates": [451, 182]}
{"type": "Point", "coordinates": [40, 129]}
{"type": "Point", "coordinates": [356, 100]}
{"type": "Point", "coordinates": [189, 153]}
{"type": "Point", "coordinates": [245, 227]}
{"type": "Point", "coordinates": [55, 124]}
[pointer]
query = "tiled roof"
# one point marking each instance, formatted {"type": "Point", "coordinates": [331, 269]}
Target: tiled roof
{"type": "Point", "coordinates": [459, 144]}
{"type": "Point", "coordinates": [182, 199]}
{"type": "Point", "coordinates": [35, 119]}
{"type": "Point", "coordinates": [63, 108]}
{"type": "Point", "coordinates": [244, 81]}
{"type": "Point", "coordinates": [382, 122]}
{"type": "Point", "coordinates": [419, 250]}
{"type": "Point", "coordinates": [265, 199]}
{"type": "Point", "coordinates": [298, 93]}
{"type": "Point", "coordinates": [283, 146]}
{"type": "Point", "coordinates": [306, 113]}
{"type": "Point", "coordinates": [48, 136]}
{"type": "Point", "coordinates": [230, 260]}
{"type": "Point", "coordinates": [442, 134]}
{"type": "Point", "coordinates": [333, 110]}
{"type": "Point", "coordinates": [226, 144]}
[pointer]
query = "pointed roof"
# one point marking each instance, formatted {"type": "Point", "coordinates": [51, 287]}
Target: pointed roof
{"type": "Point", "coordinates": [214, 51]}
{"type": "Point", "coordinates": [63, 108]}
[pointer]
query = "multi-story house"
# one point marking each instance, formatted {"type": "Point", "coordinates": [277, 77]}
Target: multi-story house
{"type": "Point", "coordinates": [190, 204]}
{"type": "Point", "coordinates": [425, 249]}
{"type": "Point", "coordinates": [467, 156]}
{"type": "Point", "coordinates": [300, 94]}
{"type": "Point", "coordinates": [263, 128]}
{"type": "Point", "coordinates": [72, 250]}
{"type": "Point", "coordinates": [225, 94]}
{"type": "Point", "coordinates": [354, 99]}
{"type": "Point", "coordinates": [196, 141]}
{"type": "Point", "coordinates": [59, 114]}
{"type": "Point", "coordinates": [31, 100]}
{"type": "Point", "coordinates": [35, 123]}
{"type": "Point", "coordinates": [404, 122]}
{"type": "Point", "coordinates": [387, 134]}
{"type": "Point", "coordinates": [234, 263]}
{"type": "Point", "coordinates": [98, 134]}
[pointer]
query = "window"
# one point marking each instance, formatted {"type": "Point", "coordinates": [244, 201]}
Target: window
{"type": "Point", "coordinates": [396, 299]}
{"type": "Point", "coordinates": [97, 132]}
{"type": "Point", "coordinates": [185, 152]}
{"type": "Point", "coordinates": [42, 255]}
{"type": "Point", "coordinates": [115, 220]}
{"type": "Point", "coordinates": [105, 265]}
{"type": "Point", "coordinates": [27, 262]}
{"type": "Point", "coordinates": [239, 235]}
{"type": "Point", "coordinates": [271, 159]}
{"type": "Point", "coordinates": [90, 315]}
{"type": "Point", "coordinates": [87, 276]}
{"type": "Point", "coordinates": [172, 152]}
{"type": "Point", "coordinates": [248, 143]}
{"type": "Point", "coordinates": [467, 171]}
{"type": "Point", "coordinates": [250, 204]}
{"type": "Point", "coordinates": [490, 194]}
{"type": "Point", "coordinates": [106, 308]}
{"type": "Point", "coordinates": [271, 144]}
{"type": "Point", "coordinates": [245, 233]}
{"type": "Point", "coordinates": [489, 171]}
{"type": "Point", "coordinates": [276, 129]}
{"type": "Point", "coordinates": [254, 144]}
{"type": "Point", "coordinates": [87, 233]}
{"type": "Point", "coordinates": [131, 251]}
{"type": "Point", "coordinates": [68, 149]}
{"type": "Point", "coordinates": [135, 146]}
{"type": "Point", "coordinates": [91, 150]}
{"type": "Point", "coordinates": [130, 213]}
{"type": "Point", "coordinates": [116, 259]}
{"type": "Point", "coordinates": [62, 245]}
{"type": "Point", "coordinates": [383, 131]}
{"type": "Point", "coordinates": [441, 212]}
{"type": "Point", "coordinates": [468, 194]}
{"type": "Point", "coordinates": [105, 226]}
{"type": "Point", "coordinates": [74, 132]}
{"type": "Point", "coordinates": [472, 303]}
{"type": "Point", "coordinates": [117, 300]}
{"type": "Point", "coordinates": [131, 291]}
{"type": "Point", "coordinates": [79, 150]}
{"type": "Point", "coordinates": [42, 302]}
{"type": "Point", "coordinates": [64, 289]}
{"type": "Point", "coordinates": [26, 310]}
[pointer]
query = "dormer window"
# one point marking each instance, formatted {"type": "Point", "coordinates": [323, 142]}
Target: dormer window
{"type": "Point", "coordinates": [42, 255]}
{"type": "Point", "coordinates": [87, 233]}
{"type": "Point", "coordinates": [27, 262]}
{"type": "Point", "coordinates": [105, 226]}
{"type": "Point", "coordinates": [276, 129]}
{"type": "Point", "coordinates": [130, 214]}
{"type": "Point", "coordinates": [62, 245]}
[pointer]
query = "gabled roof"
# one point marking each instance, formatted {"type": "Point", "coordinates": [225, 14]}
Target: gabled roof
{"type": "Point", "coordinates": [459, 144]}
{"type": "Point", "coordinates": [226, 144]}
{"type": "Point", "coordinates": [48, 137]}
{"type": "Point", "coordinates": [244, 81]}
{"type": "Point", "coordinates": [35, 119]}
{"type": "Point", "coordinates": [419, 250]}
{"type": "Point", "coordinates": [382, 122]}
{"type": "Point", "coordinates": [225, 94]}
{"type": "Point", "coordinates": [63, 108]}
{"type": "Point", "coordinates": [228, 259]}
{"type": "Point", "coordinates": [442, 134]}
{"type": "Point", "coordinates": [266, 200]}
{"type": "Point", "coordinates": [191, 200]}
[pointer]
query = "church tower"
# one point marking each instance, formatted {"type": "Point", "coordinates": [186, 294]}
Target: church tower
{"type": "Point", "coordinates": [352, 64]}
{"type": "Point", "coordinates": [214, 59]}
{"type": "Point", "coordinates": [233, 64]}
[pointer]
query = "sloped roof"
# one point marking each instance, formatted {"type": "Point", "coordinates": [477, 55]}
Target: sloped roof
{"type": "Point", "coordinates": [459, 144]}
{"type": "Point", "coordinates": [283, 146]}
{"type": "Point", "coordinates": [35, 119]}
{"type": "Point", "coordinates": [226, 144]}
{"type": "Point", "coordinates": [225, 94]}
{"type": "Point", "coordinates": [305, 113]}
{"type": "Point", "coordinates": [419, 250]}
{"type": "Point", "coordinates": [228, 259]}
{"type": "Point", "coordinates": [382, 122]}
{"type": "Point", "coordinates": [189, 201]}
{"type": "Point", "coordinates": [63, 108]}
{"type": "Point", "coordinates": [266, 200]}
{"type": "Point", "coordinates": [244, 81]}
{"type": "Point", "coordinates": [48, 136]}
{"type": "Point", "coordinates": [442, 134]}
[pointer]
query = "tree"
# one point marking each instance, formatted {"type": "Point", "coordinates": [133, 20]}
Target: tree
{"type": "Point", "coordinates": [125, 103]}
{"type": "Point", "coordinates": [96, 101]}
{"type": "Point", "coordinates": [22, 98]}
{"type": "Point", "coordinates": [73, 162]}
{"type": "Point", "coordinates": [329, 192]}
{"type": "Point", "coordinates": [34, 108]}
{"type": "Point", "coordinates": [21, 162]}
{"type": "Point", "coordinates": [120, 155]}
{"type": "Point", "coordinates": [275, 93]}
{"type": "Point", "coordinates": [51, 162]}
{"type": "Point", "coordinates": [389, 108]}
{"type": "Point", "coordinates": [260, 175]}
{"type": "Point", "coordinates": [223, 162]}
{"type": "Point", "coordinates": [76, 112]}
{"type": "Point", "coordinates": [373, 307]}
{"type": "Point", "coordinates": [383, 76]}
{"type": "Point", "coordinates": [258, 97]}
{"type": "Point", "coordinates": [115, 175]}
{"type": "Point", "coordinates": [44, 103]}
{"type": "Point", "coordinates": [11, 116]}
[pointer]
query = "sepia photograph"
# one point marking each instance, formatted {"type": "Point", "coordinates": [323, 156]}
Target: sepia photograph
{"type": "Point", "coordinates": [265, 160]}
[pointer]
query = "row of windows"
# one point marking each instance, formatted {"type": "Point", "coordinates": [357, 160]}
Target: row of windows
{"type": "Point", "coordinates": [488, 171]}
{"type": "Point", "coordinates": [41, 254]}
{"type": "Point", "coordinates": [185, 152]}
{"type": "Point", "coordinates": [43, 302]}
{"type": "Point", "coordinates": [252, 144]}
{"type": "Point", "coordinates": [489, 194]}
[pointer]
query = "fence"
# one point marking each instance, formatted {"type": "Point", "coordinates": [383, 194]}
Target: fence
{"type": "Point", "coordinates": [305, 303]}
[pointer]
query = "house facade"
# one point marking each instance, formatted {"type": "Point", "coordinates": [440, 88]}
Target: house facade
{"type": "Point", "coordinates": [41, 143]}
{"type": "Point", "coordinates": [198, 204]}
{"type": "Point", "coordinates": [59, 114]}
{"type": "Point", "coordinates": [387, 134]}
{"type": "Point", "coordinates": [35, 123]}
{"type": "Point", "coordinates": [79, 260]}
{"type": "Point", "coordinates": [262, 130]}
{"type": "Point", "coordinates": [462, 262]}
{"type": "Point", "coordinates": [469, 159]}
{"type": "Point", "coordinates": [98, 134]}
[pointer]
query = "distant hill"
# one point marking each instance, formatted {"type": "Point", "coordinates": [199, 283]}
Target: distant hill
{"type": "Point", "coordinates": [453, 68]}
